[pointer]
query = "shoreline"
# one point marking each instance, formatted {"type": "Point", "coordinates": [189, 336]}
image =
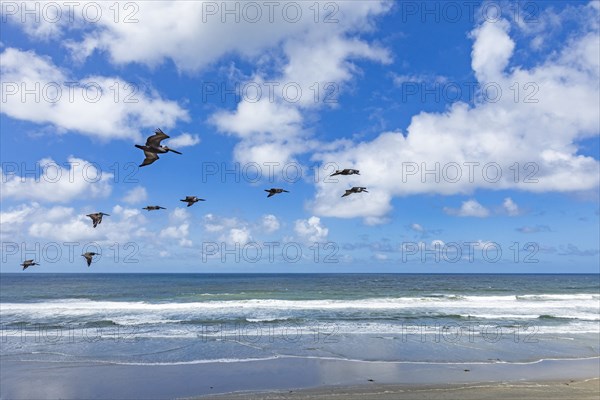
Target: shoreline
{"type": "Point", "coordinates": [301, 378]}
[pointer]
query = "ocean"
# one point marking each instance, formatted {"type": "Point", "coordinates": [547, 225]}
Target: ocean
{"type": "Point", "coordinates": [178, 319]}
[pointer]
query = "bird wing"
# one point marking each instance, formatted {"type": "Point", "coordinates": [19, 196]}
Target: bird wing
{"type": "Point", "coordinates": [28, 261]}
{"type": "Point", "coordinates": [347, 193]}
{"type": "Point", "coordinates": [335, 173]}
{"type": "Point", "coordinates": [155, 139]}
{"type": "Point", "coordinates": [89, 260]}
{"type": "Point", "coordinates": [150, 158]}
{"type": "Point", "coordinates": [271, 194]}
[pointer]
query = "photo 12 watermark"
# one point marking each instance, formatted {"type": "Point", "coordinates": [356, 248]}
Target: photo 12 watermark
{"type": "Point", "coordinates": [53, 252]}
{"type": "Point", "coordinates": [469, 252]}
{"type": "Point", "coordinates": [289, 252]}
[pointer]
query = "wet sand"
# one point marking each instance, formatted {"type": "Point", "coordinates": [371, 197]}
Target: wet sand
{"type": "Point", "coordinates": [545, 390]}
{"type": "Point", "coordinates": [306, 378]}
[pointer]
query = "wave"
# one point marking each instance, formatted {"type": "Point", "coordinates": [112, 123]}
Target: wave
{"type": "Point", "coordinates": [582, 306]}
{"type": "Point", "coordinates": [321, 358]}
{"type": "Point", "coordinates": [367, 303]}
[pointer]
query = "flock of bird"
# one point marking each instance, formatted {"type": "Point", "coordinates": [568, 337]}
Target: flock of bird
{"type": "Point", "coordinates": [152, 149]}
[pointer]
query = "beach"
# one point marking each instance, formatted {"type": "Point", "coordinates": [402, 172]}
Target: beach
{"type": "Point", "coordinates": [303, 378]}
{"type": "Point", "coordinates": [545, 390]}
{"type": "Point", "coordinates": [306, 336]}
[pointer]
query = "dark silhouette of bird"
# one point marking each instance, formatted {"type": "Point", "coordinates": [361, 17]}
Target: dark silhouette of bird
{"type": "Point", "coordinates": [97, 218]}
{"type": "Point", "coordinates": [191, 200]}
{"type": "Point", "coordinates": [152, 208]}
{"type": "Point", "coordinates": [153, 148]}
{"type": "Point", "coordinates": [274, 191]}
{"type": "Point", "coordinates": [355, 189]}
{"type": "Point", "coordinates": [28, 263]}
{"type": "Point", "coordinates": [346, 172]}
{"type": "Point", "coordinates": [88, 257]}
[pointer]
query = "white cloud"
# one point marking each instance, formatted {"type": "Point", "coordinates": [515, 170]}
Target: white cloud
{"type": "Point", "coordinates": [510, 207]}
{"type": "Point", "coordinates": [180, 233]}
{"type": "Point", "coordinates": [55, 182]}
{"type": "Point", "coordinates": [270, 223]}
{"type": "Point", "coordinates": [66, 224]}
{"type": "Point", "coordinates": [99, 106]}
{"type": "Point", "coordinates": [311, 230]}
{"type": "Point", "coordinates": [541, 136]}
{"type": "Point", "coordinates": [136, 195]}
{"type": "Point", "coordinates": [417, 228]}
{"type": "Point", "coordinates": [179, 227]}
{"type": "Point", "coordinates": [184, 140]}
{"type": "Point", "coordinates": [318, 67]}
{"type": "Point", "coordinates": [469, 208]}
{"type": "Point", "coordinates": [192, 27]}
{"type": "Point", "coordinates": [492, 50]}
{"type": "Point", "coordinates": [239, 236]}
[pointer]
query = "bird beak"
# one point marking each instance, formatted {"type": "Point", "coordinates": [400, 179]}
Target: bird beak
{"type": "Point", "coordinates": [175, 151]}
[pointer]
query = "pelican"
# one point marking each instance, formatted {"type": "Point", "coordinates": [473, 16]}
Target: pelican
{"type": "Point", "coordinates": [346, 171]}
{"type": "Point", "coordinates": [355, 189]}
{"type": "Point", "coordinates": [151, 208]}
{"type": "Point", "coordinates": [88, 257]}
{"type": "Point", "coordinates": [191, 200]}
{"type": "Point", "coordinates": [153, 148]}
{"type": "Point", "coordinates": [274, 191]}
{"type": "Point", "coordinates": [28, 263]}
{"type": "Point", "coordinates": [97, 218]}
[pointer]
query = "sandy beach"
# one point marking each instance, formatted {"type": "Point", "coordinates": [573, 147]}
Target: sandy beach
{"type": "Point", "coordinates": [543, 390]}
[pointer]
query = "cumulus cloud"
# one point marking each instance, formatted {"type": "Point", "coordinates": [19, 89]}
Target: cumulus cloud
{"type": "Point", "coordinates": [270, 223]}
{"type": "Point", "coordinates": [319, 66]}
{"type": "Point", "coordinates": [473, 146]}
{"type": "Point", "coordinates": [67, 224]}
{"type": "Point", "coordinates": [510, 207]}
{"type": "Point", "coordinates": [179, 227]}
{"type": "Point", "coordinates": [184, 140]}
{"type": "Point", "coordinates": [54, 182]}
{"type": "Point", "coordinates": [469, 208]}
{"type": "Point", "coordinates": [311, 230]}
{"type": "Point", "coordinates": [103, 107]}
{"type": "Point", "coordinates": [136, 195]}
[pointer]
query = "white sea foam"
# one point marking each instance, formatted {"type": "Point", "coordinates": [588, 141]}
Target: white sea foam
{"type": "Point", "coordinates": [583, 307]}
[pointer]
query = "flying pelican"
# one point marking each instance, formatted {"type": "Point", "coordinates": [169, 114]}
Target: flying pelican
{"type": "Point", "coordinates": [151, 208]}
{"type": "Point", "coordinates": [88, 257]}
{"type": "Point", "coordinates": [191, 200]}
{"type": "Point", "coordinates": [346, 171]}
{"type": "Point", "coordinates": [355, 189]}
{"type": "Point", "coordinates": [274, 191]}
{"type": "Point", "coordinates": [96, 218]}
{"type": "Point", "coordinates": [28, 263]}
{"type": "Point", "coordinates": [153, 148]}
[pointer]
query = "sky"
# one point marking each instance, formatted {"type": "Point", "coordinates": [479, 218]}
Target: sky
{"type": "Point", "coordinates": [474, 125]}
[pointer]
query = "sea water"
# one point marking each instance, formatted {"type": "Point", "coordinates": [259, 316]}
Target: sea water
{"type": "Point", "coordinates": [171, 319]}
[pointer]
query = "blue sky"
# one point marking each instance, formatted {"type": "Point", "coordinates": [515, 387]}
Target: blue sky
{"type": "Point", "coordinates": [498, 101]}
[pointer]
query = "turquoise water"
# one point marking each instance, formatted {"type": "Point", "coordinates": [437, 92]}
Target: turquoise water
{"type": "Point", "coordinates": [196, 318]}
